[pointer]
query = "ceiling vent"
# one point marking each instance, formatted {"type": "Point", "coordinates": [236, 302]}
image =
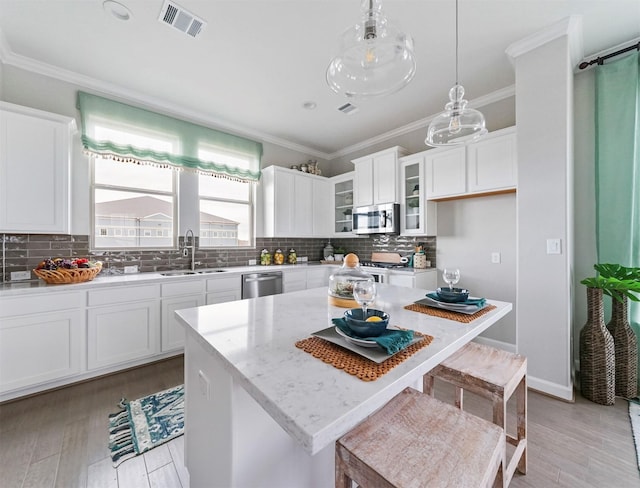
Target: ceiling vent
{"type": "Point", "coordinates": [348, 109]}
{"type": "Point", "coordinates": [174, 15]}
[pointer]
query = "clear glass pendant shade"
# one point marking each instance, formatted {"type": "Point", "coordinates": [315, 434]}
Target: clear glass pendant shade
{"type": "Point", "coordinates": [457, 124]}
{"type": "Point", "coordinates": [375, 58]}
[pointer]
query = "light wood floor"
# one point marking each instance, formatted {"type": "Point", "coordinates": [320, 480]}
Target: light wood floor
{"type": "Point", "coordinates": [60, 438]}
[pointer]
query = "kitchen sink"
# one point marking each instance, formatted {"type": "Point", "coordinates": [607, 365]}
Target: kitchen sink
{"type": "Point", "coordinates": [208, 271]}
{"type": "Point", "coordinates": [179, 272]}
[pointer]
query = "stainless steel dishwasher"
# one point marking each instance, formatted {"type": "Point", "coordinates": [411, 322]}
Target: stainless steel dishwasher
{"type": "Point", "coordinates": [261, 284]}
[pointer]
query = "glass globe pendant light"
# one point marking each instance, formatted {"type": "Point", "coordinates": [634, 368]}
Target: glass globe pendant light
{"type": "Point", "coordinates": [375, 59]}
{"type": "Point", "coordinates": [457, 124]}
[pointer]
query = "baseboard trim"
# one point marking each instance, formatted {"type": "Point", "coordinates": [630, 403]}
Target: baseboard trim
{"type": "Point", "coordinates": [543, 386]}
{"type": "Point", "coordinates": [505, 346]}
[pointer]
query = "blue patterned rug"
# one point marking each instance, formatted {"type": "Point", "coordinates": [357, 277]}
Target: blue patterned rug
{"type": "Point", "coordinates": [146, 423]}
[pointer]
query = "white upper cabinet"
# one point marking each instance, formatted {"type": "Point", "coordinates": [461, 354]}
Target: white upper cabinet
{"type": "Point", "coordinates": [294, 203]}
{"type": "Point", "coordinates": [487, 166]}
{"type": "Point", "coordinates": [342, 208]}
{"type": "Point", "coordinates": [34, 170]}
{"type": "Point", "coordinates": [417, 214]}
{"type": "Point", "coordinates": [445, 172]}
{"type": "Point", "coordinates": [491, 163]}
{"type": "Point", "coordinates": [376, 177]}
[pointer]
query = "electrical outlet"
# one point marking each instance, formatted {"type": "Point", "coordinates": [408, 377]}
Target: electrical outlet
{"type": "Point", "coordinates": [302, 259]}
{"type": "Point", "coordinates": [252, 262]}
{"type": "Point", "coordinates": [131, 269]}
{"type": "Point", "coordinates": [20, 275]}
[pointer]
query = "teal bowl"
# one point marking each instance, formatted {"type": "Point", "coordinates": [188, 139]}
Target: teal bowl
{"type": "Point", "coordinates": [362, 328]}
{"type": "Point", "coordinates": [455, 295]}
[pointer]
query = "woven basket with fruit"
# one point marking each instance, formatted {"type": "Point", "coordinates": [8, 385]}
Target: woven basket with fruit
{"type": "Point", "coordinates": [63, 271]}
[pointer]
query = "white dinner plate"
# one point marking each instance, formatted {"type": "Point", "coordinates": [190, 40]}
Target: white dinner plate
{"type": "Point", "coordinates": [357, 342]}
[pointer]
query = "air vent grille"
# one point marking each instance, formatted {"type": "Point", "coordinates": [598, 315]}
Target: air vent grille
{"type": "Point", "coordinates": [177, 17]}
{"type": "Point", "coordinates": [348, 109]}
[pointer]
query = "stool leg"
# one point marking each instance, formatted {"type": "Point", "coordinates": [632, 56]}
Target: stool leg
{"type": "Point", "coordinates": [500, 411]}
{"type": "Point", "coordinates": [459, 397]}
{"type": "Point", "coordinates": [342, 480]}
{"type": "Point", "coordinates": [521, 405]}
{"type": "Point", "coordinates": [427, 384]}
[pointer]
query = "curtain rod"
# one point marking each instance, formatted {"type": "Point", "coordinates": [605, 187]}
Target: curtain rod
{"type": "Point", "coordinates": [600, 59]}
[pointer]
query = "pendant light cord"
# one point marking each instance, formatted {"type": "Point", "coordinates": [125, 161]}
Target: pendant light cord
{"type": "Point", "coordinates": [456, 42]}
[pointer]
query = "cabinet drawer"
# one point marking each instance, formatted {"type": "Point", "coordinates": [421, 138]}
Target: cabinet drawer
{"type": "Point", "coordinates": [107, 296]}
{"type": "Point", "coordinates": [41, 303]}
{"type": "Point", "coordinates": [192, 287]}
{"type": "Point", "coordinates": [226, 283]}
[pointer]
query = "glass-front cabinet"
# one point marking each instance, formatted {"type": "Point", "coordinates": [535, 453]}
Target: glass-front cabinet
{"type": "Point", "coordinates": [418, 216]}
{"type": "Point", "coordinates": [342, 203]}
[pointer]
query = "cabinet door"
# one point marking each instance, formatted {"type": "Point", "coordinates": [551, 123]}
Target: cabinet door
{"type": "Point", "coordinates": [172, 331]}
{"type": "Point", "coordinates": [321, 202]}
{"type": "Point", "coordinates": [284, 205]}
{"type": "Point", "coordinates": [34, 174]}
{"type": "Point", "coordinates": [445, 173]}
{"type": "Point", "coordinates": [294, 280]}
{"type": "Point", "coordinates": [122, 332]}
{"type": "Point", "coordinates": [418, 216]}
{"type": "Point", "coordinates": [385, 178]}
{"type": "Point", "coordinates": [302, 206]}
{"type": "Point", "coordinates": [318, 277]}
{"type": "Point", "coordinates": [363, 181]}
{"type": "Point", "coordinates": [41, 347]}
{"type": "Point", "coordinates": [221, 290]}
{"type": "Point", "coordinates": [492, 164]}
{"type": "Point", "coordinates": [406, 280]}
{"type": "Point", "coordinates": [342, 186]}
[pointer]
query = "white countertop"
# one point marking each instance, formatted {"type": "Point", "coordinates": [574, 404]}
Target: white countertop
{"type": "Point", "coordinates": [313, 401]}
{"type": "Point", "coordinates": [104, 280]}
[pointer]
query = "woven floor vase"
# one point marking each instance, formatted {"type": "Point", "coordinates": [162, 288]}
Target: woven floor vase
{"type": "Point", "coordinates": [597, 354]}
{"type": "Point", "coordinates": [626, 347]}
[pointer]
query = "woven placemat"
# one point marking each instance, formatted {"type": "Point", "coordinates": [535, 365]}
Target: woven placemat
{"type": "Point", "coordinates": [446, 314]}
{"type": "Point", "coordinates": [353, 363]}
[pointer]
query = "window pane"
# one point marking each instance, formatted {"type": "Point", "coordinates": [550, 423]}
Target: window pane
{"type": "Point", "coordinates": [130, 219]}
{"type": "Point", "coordinates": [224, 224]}
{"type": "Point", "coordinates": [222, 188]}
{"type": "Point", "coordinates": [144, 177]}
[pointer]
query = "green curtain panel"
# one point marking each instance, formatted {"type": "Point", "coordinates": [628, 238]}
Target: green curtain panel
{"type": "Point", "coordinates": [96, 111]}
{"type": "Point", "coordinates": [618, 166]}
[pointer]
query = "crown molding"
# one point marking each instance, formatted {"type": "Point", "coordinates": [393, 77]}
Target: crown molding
{"type": "Point", "coordinates": [496, 96]}
{"type": "Point", "coordinates": [570, 26]}
{"type": "Point", "coordinates": [7, 56]}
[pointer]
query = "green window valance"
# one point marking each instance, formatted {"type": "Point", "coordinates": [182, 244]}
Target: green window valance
{"type": "Point", "coordinates": [239, 158]}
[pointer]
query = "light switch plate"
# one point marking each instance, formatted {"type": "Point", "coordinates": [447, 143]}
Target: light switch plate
{"type": "Point", "coordinates": [554, 246]}
{"type": "Point", "coordinates": [131, 269]}
{"type": "Point", "coordinates": [495, 257]}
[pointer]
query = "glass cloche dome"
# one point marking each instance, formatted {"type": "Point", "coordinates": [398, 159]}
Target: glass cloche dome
{"type": "Point", "coordinates": [341, 282]}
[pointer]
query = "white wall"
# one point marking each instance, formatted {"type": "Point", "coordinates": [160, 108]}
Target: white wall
{"type": "Point", "coordinates": [468, 232]}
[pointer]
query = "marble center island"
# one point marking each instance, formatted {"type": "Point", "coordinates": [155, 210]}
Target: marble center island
{"type": "Point", "coordinates": [260, 412]}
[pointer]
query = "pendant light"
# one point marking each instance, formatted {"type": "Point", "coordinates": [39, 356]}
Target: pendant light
{"type": "Point", "coordinates": [457, 124]}
{"type": "Point", "coordinates": [376, 58]}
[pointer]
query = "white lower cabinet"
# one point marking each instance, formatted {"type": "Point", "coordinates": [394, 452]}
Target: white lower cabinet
{"type": "Point", "coordinates": [176, 296]}
{"type": "Point", "coordinates": [319, 276]}
{"type": "Point", "coordinates": [221, 290]}
{"type": "Point", "coordinates": [294, 280]}
{"type": "Point", "coordinates": [126, 329]}
{"type": "Point", "coordinates": [427, 280]}
{"type": "Point", "coordinates": [38, 348]}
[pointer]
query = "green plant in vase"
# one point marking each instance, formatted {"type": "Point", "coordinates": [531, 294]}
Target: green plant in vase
{"type": "Point", "coordinates": [621, 284]}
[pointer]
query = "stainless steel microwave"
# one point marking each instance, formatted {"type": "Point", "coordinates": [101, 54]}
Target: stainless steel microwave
{"type": "Point", "coordinates": [377, 219]}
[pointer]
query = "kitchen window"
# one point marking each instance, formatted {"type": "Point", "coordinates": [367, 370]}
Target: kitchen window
{"type": "Point", "coordinates": [226, 206]}
{"type": "Point", "coordinates": [136, 202]}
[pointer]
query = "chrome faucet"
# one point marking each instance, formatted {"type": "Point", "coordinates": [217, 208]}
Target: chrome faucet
{"type": "Point", "coordinates": [190, 243]}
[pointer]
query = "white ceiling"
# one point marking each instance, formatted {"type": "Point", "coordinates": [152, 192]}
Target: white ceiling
{"type": "Point", "coordinates": [257, 62]}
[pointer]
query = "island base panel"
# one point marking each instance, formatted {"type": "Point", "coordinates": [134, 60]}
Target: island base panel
{"type": "Point", "coordinates": [230, 440]}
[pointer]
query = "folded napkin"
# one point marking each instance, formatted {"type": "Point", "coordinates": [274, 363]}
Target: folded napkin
{"type": "Point", "coordinates": [391, 340]}
{"type": "Point", "coordinates": [477, 302]}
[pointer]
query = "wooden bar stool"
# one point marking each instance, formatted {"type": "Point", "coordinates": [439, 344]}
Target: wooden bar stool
{"type": "Point", "coordinates": [417, 441]}
{"type": "Point", "coordinates": [494, 374]}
